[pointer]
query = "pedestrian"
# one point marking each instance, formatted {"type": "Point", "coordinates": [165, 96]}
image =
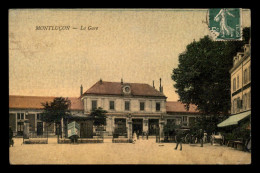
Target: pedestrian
{"type": "Point", "coordinates": [146, 135]}
{"type": "Point", "coordinates": [179, 139]}
{"type": "Point", "coordinates": [134, 137]}
{"type": "Point", "coordinates": [11, 142]}
{"type": "Point", "coordinates": [137, 134]}
{"type": "Point", "coordinates": [205, 137]}
{"type": "Point", "coordinates": [200, 136]}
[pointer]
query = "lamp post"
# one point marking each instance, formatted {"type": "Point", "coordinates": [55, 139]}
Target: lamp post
{"type": "Point", "coordinates": [161, 127]}
{"type": "Point", "coordinates": [129, 116]}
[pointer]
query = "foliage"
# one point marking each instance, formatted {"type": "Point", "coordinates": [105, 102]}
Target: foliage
{"type": "Point", "coordinates": [202, 77]}
{"type": "Point", "coordinates": [56, 110]}
{"type": "Point", "coordinates": [237, 132]}
{"type": "Point", "coordinates": [170, 129]}
{"type": "Point", "coordinates": [99, 116]}
{"type": "Point", "coordinates": [206, 123]}
{"type": "Point", "coordinates": [241, 131]}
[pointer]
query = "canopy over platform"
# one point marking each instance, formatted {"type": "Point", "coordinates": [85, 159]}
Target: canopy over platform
{"type": "Point", "coordinates": [234, 119]}
{"type": "Point", "coordinates": [79, 116]}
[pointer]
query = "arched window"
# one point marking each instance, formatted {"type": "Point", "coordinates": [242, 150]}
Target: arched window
{"type": "Point", "coordinates": [249, 99]}
{"type": "Point", "coordinates": [245, 101]}
{"type": "Point", "coordinates": [235, 105]}
{"type": "Point", "coordinates": [249, 72]}
{"type": "Point", "coordinates": [234, 84]}
{"type": "Point", "coordinates": [245, 76]}
{"type": "Point", "coordinates": [237, 82]}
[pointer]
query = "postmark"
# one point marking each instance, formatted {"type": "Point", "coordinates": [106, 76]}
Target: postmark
{"type": "Point", "coordinates": [225, 24]}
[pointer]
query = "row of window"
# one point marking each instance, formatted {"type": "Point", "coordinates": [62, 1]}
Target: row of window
{"type": "Point", "coordinates": [246, 78]}
{"type": "Point", "coordinates": [20, 116]}
{"type": "Point", "coordinates": [127, 105]}
{"type": "Point", "coordinates": [243, 104]}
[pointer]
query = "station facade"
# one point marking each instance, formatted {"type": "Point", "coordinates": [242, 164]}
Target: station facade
{"type": "Point", "coordinates": [131, 107]}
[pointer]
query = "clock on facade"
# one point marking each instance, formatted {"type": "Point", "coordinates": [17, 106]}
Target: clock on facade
{"type": "Point", "coordinates": [126, 89]}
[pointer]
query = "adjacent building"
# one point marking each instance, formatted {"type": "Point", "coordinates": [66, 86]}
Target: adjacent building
{"type": "Point", "coordinates": [22, 108]}
{"type": "Point", "coordinates": [240, 75]}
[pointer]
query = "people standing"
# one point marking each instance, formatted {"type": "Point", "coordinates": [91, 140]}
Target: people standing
{"type": "Point", "coordinates": [179, 139]}
{"type": "Point", "coordinates": [205, 137]}
{"type": "Point", "coordinates": [134, 137]}
{"type": "Point", "coordinates": [11, 142]}
{"type": "Point", "coordinates": [200, 136]}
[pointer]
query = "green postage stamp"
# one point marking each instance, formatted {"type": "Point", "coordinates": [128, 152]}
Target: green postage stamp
{"type": "Point", "coordinates": [225, 23]}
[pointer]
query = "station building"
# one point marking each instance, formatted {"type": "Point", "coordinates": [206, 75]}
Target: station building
{"type": "Point", "coordinates": [131, 107]}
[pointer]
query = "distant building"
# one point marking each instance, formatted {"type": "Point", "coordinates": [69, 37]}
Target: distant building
{"type": "Point", "coordinates": [177, 114]}
{"type": "Point", "coordinates": [131, 107]}
{"type": "Point", "coordinates": [29, 108]}
{"type": "Point", "coordinates": [240, 88]}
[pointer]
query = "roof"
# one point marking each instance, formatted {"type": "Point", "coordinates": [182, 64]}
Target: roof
{"type": "Point", "coordinates": [234, 119]}
{"type": "Point", "coordinates": [115, 88]}
{"type": "Point", "coordinates": [175, 106]}
{"type": "Point", "coordinates": [34, 102]}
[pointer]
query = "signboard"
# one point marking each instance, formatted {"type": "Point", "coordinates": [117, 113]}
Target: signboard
{"type": "Point", "coordinates": [73, 129]}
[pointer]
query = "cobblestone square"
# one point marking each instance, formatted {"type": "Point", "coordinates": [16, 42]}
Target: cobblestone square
{"type": "Point", "coordinates": [142, 152]}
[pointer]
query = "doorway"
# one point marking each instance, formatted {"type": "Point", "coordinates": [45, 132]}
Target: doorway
{"type": "Point", "coordinates": [137, 126]}
{"type": "Point", "coordinates": [39, 128]}
{"type": "Point", "coordinates": [20, 126]}
{"type": "Point", "coordinates": [86, 129]}
{"type": "Point", "coordinates": [58, 128]}
{"type": "Point", "coordinates": [120, 126]}
{"type": "Point", "coordinates": [153, 126]}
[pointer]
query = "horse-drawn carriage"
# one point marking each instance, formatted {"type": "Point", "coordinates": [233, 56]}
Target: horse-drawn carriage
{"type": "Point", "coordinates": [219, 138]}
{"type": "Point", "coordinates": [193, 137]}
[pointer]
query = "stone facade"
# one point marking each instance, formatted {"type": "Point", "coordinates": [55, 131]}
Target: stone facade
{"type": "Point", "coordinates": [241, 82]}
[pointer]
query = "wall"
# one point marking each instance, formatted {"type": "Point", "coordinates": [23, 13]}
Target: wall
{"type": "Point", "coordinates": [103, 101]}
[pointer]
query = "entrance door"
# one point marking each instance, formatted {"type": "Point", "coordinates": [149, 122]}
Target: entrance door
{"type": "Point", "coordinates": [120, 126]}
{"type": "Point", "coordinates": [58, 129]}
{"type": "Point", "coordinates": [153, 126]}
{"type": "Point", "coordinates": [20, 126]}
{"type": "Point", "coordinates": [137, 126]}
{"type": "Point", "coordinates": [86, 129]}
{"type": "Point", "coordinates": [39, 128]}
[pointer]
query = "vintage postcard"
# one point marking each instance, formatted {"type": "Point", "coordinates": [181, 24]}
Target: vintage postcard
{"type": "Point", "coordinates": [129, 86]}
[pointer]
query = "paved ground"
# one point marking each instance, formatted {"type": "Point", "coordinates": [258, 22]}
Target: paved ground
{"type": "Point", "coordinates": [143, 152]}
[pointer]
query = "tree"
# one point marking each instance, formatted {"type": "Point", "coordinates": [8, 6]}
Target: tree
{"type": "Point", "coordinates": [54, 111]}
{"type": "Point", "coordinates": [202, 77]}
{"type": "Point", "coordinates": [98, 116]}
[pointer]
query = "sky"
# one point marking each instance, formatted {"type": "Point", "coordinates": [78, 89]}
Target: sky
{"type": "Point", "coordinates": [136, 45]}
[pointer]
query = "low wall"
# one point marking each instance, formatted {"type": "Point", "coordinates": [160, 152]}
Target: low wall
{"type": "Point", "coordinates": [36, 141]}
{"type": "Point", "coordinates": [121, 140]}
{"type": "Point", "coordinates": [81, 140]}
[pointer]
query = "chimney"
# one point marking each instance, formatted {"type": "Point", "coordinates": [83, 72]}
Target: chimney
{"type": "Point", "coordinates": [160, 88]}
{"type": "Point", "coordinates": [81, 90]}
{"type": "Point", "coordinates": [121, 81]}
{"type": "Point", "coordinates": [153, 83]}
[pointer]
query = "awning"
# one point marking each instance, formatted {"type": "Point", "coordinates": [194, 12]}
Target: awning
{"type": "Point", "coordinates": [234, 119]}
{"type": "Point", "coordinates": [72, 116]}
